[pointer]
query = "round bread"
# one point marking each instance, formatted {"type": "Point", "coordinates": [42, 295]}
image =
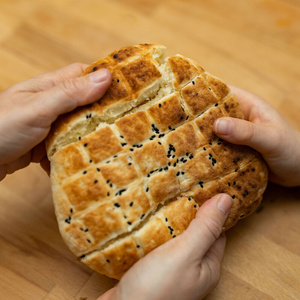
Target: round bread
{"type": "Point", "coordinates": [129, 171]}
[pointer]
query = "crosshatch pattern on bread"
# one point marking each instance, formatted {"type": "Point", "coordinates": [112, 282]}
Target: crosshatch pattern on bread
{"type": "Point", "coordinates": [130, 171]}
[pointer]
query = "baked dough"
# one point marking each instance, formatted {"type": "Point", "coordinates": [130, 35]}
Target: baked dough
{"type": "Point", "coordinates": [129, 171]}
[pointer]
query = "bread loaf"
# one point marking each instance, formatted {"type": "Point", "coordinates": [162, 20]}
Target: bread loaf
{"type": "Point", "coordinates": [129, 171]}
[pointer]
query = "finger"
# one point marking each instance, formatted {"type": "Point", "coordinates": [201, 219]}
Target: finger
{"type": "Point", "coordinates": [211, 263]}
{"type": "Point", "coordinates": [247, 100]}
{"type": "Point", "coordinates": [108, 295]}
{"type": "Point", "coordinates": [45, 81]}
{"type": "Point", "coordinates": [71, 93]}
{"type": "Point", "coordinates": [206, 228]}
{"type": "Point", "coordinates": [214, 255]}
{"type": "Point", "coordinates": [258, 136]}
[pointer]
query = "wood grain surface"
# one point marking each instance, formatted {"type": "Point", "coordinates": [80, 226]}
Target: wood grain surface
{"type": "Point", "coordinates": [253, 44]}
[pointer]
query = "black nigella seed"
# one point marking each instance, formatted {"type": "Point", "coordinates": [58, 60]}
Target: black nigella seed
{"type": "Point", "coordinates": [118, 80]}
{"type": "Point", "coordinates": [82, 256]}
{"type": "Point", "coordinates": [209, 88]}
{"type": "Point", "coordinates": [131, 203]}
{"type": "Point", "coordinates": [125, 217]}
{"type": "Point", "coordinates": [187, 117]}
{"type": "Point", "coordinates": [142, 216]}
{"type": "Point", "coordinates": [108, 260]}
{"type": "Point", "coordinates": [189, 198]}
{"type": "Point", "coordinates": [173, 156]}
{"type": "Point", "coordinates": [166, 219]}
{"type": "Point", "coordinates": [71, 210]}
{"type": "Point", "coordinates": [121, 136]}
{"type": "Point", "coordinates": [191, 157]}
{"type": "Point", "coordinates": [235, 170]}
{"type": "Point", "coordinates": [233, 196]}
{"type": "Point", "coordinates": [79, 138]}
{"type": "Point", "coordinates": [115, 156]}
{"type": "Point", "coordinates": [129, 223]}
{"type": "Point", "coordinates": [85, 144]}
{"type": "Point", "coordinates": [182, 173]}
{"type": "Point", "coordinates": [129, 164]}
{"type": "Point", "coordinates": [174, 236]}
{"type": "Point", "coordinates": [159, 143]}
{"type": "Point", "coordinates": [86, 230]}
{"type": "Point", "coordinates": [108, 162]}
{"type": "Point", "coordinates": [84, 172]}
{"type": "Point", "coordinates": [123, 144]}
{"type": "Point", "coordinates": [115, 56]}
{"type": "Point", "coordinates": [95, 69]}
{"type": "Point", "coordinates": [117, 204]}
{"type": "Point", "coordinates": [178, 173]}
{"type": "Point", "coordinates": [98, 169]}
{"type": "Point", "coordinates": [195, 206]}
{"type": "Point", "coordinates": [121, 192]}
{"type": "Point", "coordinates": [159, 105]}
{"type": "Point", "coordinates": [131, 149]}
{"type": "Point", "coordinates": [170, 127]}
{"type": "Point", "coordinates": [175, 165]}
{"type": "Point", "coordinates": [216, 104]}
{"type": "Point", "coordinates": [91, 160]}
{"type": "Point", "coordinates": [88, 240]}
{"type": "Point", "coordinates": [181, 117]}
{"type": "Point", "coordinates": [234, 183]}
{"type": "Point", "coordinates": [228, 183]}
{"type": "Point", "coordinates": [108, 194]}
{"type": "Point", "coordinates": [169, 164]}
{"type": "Point", "coordinates": [201, 183]}
{"type": "Point", "coordinates": [210, 143]}
{"type": "Point", "coordinates": [95, 181]}
{"type": "Point", "coordinates": [138, 246]}
{"type": "Point", "coordinates": [204, 148]}
{"type": "Point", "coordinates": [147, 189]}
{"type": "Point", "coordinates": [193, 82]}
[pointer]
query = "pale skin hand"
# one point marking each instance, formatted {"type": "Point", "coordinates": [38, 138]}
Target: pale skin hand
{"type": "Point", "coordinates": [267, 132]}
{"type": "Point", "coordinates": [28, 108]}
{"type": "Point", "coordinates": [185, 268]}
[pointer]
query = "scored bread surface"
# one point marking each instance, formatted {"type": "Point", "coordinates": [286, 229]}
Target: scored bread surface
{"type": "Point", "coordinates": [130, 171]}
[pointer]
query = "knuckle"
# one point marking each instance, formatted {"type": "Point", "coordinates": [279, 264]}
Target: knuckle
{"type": "Point", "coordinates": [72, 87]}
{"type": "Point", "coordinates": [212, 228]}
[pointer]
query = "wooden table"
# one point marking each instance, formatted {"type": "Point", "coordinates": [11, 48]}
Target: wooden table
{"type": "Point", "coordinates": [252, 43]}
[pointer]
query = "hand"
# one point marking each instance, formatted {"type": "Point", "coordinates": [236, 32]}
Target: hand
{"type": "Point", "coordinates": [27, 110]}
{"type": "Point", "coordinates": [267, 132]}
{"type": "Point", "coordinates": [187, 267]}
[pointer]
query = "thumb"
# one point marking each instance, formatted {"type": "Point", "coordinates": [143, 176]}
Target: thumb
{"type": "Point", "coordinates": [236, 131]}
{"type": "Point", "coordinates": [72, 93]}
{"type": "Point", "coordinates": [206, 228]}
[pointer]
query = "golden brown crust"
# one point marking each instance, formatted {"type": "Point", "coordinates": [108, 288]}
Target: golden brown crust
{"type": "Point", "coordinates": [129, 172]}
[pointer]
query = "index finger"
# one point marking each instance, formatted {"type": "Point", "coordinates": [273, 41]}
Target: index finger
{"type": "Point", "coordinates": [46, 81]}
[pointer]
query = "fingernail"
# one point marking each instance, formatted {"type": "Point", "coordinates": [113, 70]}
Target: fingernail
{"type": "Point", "coordinates": [224, 203]}
{"type": "Point", "coordinates": [99, 76]}
{"type": "Point", "coordinates": [223, 126]}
